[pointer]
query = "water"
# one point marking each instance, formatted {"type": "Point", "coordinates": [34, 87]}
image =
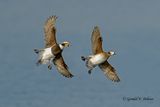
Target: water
{"type": "Point", "coordinates": [130, 28]}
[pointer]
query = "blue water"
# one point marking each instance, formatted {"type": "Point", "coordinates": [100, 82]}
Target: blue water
{"type": "Point", "coordinates": [130, 28]}
{"type": "Point", "coordinates": [25, 84]}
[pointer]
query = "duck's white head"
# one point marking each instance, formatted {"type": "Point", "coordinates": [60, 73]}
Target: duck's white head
{"type": "Point", "coordinates": [64, 44]}
{"type": "Point", "coordinates": [111, 53]}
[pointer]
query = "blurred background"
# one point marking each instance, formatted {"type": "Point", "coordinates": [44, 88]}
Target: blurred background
{"type": "Point", "coordinates": [129, 27]}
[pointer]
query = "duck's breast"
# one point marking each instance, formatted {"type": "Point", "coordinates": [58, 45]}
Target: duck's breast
{"type": "Point", "coordinates": [98, 58]}
{"type": "Point", "coordinates": [47, 54]}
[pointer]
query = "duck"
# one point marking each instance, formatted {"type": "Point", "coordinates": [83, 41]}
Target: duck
{"type": "Point", "coordinates": [99, 57]}
{"type": "Point", "coordinates": [52, 53]}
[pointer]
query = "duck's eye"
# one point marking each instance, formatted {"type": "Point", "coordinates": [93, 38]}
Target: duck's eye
{"type": "Point", "coordinates": [63, 44]}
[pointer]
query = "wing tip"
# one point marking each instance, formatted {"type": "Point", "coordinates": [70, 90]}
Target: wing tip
{"type": "Point", "coordinates": [96, 28]}
{"type": "Point", "coordinates": [116, 80]}
{"type": "Point", "coordinates": [51, 18]}
{"type": "Point", "coordinates": [96, 31]}
{"type": "Point", "coordinates": [69, 76]}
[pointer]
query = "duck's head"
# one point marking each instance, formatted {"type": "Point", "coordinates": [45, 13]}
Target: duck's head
{"type": "Point", "coordinates": [64, 44]}
{"type": "Point", "coordinates": [111, 53]}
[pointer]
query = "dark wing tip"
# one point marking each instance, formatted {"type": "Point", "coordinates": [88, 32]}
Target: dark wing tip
{"type": "Point", "coordinates": [116, 80]}
{"type": "Point", "coordinates": [69, 75]}
{"type": "Point", "coordinates": [65, 73]}
{"type": "Point", "coordinates": [96, 29]}
{"type": "Point", "coordinates": [54, 17]}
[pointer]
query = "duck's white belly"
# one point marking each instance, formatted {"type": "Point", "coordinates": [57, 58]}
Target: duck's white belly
{"type": "Point", "coordinates": [98, 59]}
{"type": "Point", "coordinates": [47, 55]}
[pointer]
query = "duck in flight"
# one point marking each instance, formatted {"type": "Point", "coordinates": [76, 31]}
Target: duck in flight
{"type": "Point", "coordinates": [52, 53]}
{"type": "Point", "coordinates": [99, 57]}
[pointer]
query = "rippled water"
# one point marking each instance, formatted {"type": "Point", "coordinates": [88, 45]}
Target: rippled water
{"type": "Point", "coordinates": [130, 28]}
{"type": "Point", "coordinates": [25, 84]}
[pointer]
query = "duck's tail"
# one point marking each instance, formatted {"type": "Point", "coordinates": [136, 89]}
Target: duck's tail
{"type": "Point", "coordinates": [40, 53]}
{"type": "Point", "coordinates": [89, 65]}
{"type": "Point", "coordinates": [37, 51]}
{"type": "Point", "coordinates": [83, 58]}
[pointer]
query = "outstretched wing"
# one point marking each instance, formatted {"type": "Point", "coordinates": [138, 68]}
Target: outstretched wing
{"type": "Point", "coordinates": [61, 66]}
{"type": "Point", "coordinates": [109, 71]}
{"type": "Point", "coordinates": [96, 41]}
{"type": "Point", "coordinates": [50, 31]}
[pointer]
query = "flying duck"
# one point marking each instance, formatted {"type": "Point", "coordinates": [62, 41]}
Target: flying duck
{"type": "Point", "coordinates": [100, 57]}
{"type": "Point", "coordinates": [52, 53]}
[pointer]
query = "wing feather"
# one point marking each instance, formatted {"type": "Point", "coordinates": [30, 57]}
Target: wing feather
{"type": "Point", "coordinates": [50, 31]}
{"type": "Point", "coordinates": [96, 41]}
{"type": "Point", "coordinates": [109, 71]}
{"type": "Point", "coordinates": [61, 66]}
